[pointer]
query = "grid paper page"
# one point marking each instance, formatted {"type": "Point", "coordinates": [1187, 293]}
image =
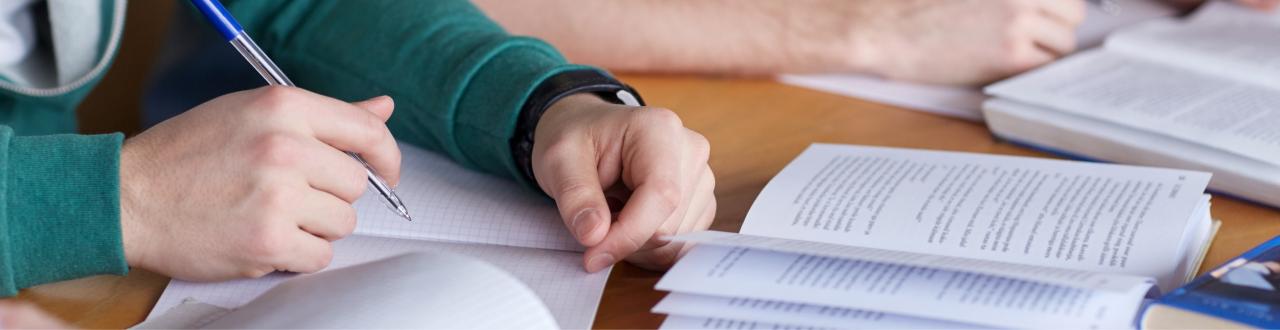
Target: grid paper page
{"type": "Point", "coordinates": [556, 277]}
{"type": "Point", "coordinates": [451, 203]}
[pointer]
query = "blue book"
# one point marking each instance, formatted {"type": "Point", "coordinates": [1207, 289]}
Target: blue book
{"type": "Point", "coordinates": [1242, 293]}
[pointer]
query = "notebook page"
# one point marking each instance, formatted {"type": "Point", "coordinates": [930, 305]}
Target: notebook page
{"type": "Point", "coordinates": [452, 203]}
{"type": "Point", "coordinates": [1176, 102]}
{"type": "Point", "coordinates": [905, 290]}
{"type": "Point", "coordinates": [1083, 216]}
{"type": "Point", "coordinates": [772, 311]}
{"type": "Point", "coordinates": [556, 277]}
{"type": "Point", "coordinates": [416, 290]}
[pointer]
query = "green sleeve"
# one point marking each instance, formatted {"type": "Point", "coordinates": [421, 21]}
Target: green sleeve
{"type": "Point", "coordinates": [459, 80]}
{"type": "Point", "coordinates": [61, 213]}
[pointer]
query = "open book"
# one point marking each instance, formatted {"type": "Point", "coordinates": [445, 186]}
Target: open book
{"type": "Point", "coordinates": [1200, 94]}
{"type": "Point", "coordinates": [963, 101]}
{"type": "Point", "coordinates": [867, 237]}
{"type": "Point", "coordinates": [456, 211]}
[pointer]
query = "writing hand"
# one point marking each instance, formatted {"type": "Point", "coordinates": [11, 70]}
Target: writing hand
{"type": "Point", "coordinates": [250, 183]}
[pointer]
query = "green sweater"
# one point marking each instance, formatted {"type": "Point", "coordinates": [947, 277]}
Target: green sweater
{"type": "Point", "coordinates": [458, 79]}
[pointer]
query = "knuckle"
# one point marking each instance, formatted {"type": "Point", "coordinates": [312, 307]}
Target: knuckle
{"type": "Point", "coordinates": [275, 149]}
{"type": "Point", "coordinates": [272, 201]}
{"type": "Point", "coordinates": [275, 99]}
{"type": "Point", "coordinates": [266, 244]}
{"type": "Point", "coordinates": [353, 182]}
{"type": "Point", "coordinates": [322, 259]}
{"type": "Point", "coordinates": [668, 193]}
{"type": "Point", "coordinates": [661, 117]}
{"type": "Point", "coordinates": [574, 189]}
{"type": "Point", "coordinates": [700, 143]}
{"type": "Point", "coordinates": [373, 130]}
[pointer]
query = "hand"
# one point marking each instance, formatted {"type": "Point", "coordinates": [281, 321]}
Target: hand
{"type": "Point", "coordinates": [585, 148]}
{"type": "Point", "coordinates": [250, 182]}
{"type": "Point", "coordinates": [962, 41]}
{"type": "Point", "coordinates": [1261, 4]}
{"type": "Point", "coordinates": [19, 315]}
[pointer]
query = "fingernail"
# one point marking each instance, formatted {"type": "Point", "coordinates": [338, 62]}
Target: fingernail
{"type": "Point", "coordinates": [600, 261]}
{"type": "Point", "coordinates": [585, 222]}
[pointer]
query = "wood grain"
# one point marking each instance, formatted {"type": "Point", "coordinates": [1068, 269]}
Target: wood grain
{"type": "Point", "coordinates": [755, 128]}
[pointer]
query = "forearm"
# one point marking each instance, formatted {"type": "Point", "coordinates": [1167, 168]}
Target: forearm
{"type": "Point", "coordinates": [458, 79]}
{"type": "Point", "coordinates": [707, 36]}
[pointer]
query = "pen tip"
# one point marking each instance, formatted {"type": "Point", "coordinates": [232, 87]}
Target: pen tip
{"type": "Point", "coordinates": [404, 213]}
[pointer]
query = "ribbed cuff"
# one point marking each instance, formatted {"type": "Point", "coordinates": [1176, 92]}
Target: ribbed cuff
{"type": "Point", "coordinates": [62, 208]}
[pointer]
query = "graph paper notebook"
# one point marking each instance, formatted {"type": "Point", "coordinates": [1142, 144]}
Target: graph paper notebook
{"type": "Point", "coordinates": [868, 237]}
{"type": "Point", "coordinates": [457, 211]}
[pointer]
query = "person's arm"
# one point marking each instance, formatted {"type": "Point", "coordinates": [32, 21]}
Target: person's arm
{"type": "Point", "coordinates": [460, 82]}
{"type": "Point", "coordinates": [952, 41]}
{"type": "Point", "coordinates": [60, 217]}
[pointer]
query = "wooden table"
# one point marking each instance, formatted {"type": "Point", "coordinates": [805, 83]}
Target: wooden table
{"type": "Point", "coordinates": [755, 128]}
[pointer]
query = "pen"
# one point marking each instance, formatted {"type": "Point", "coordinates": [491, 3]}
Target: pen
{"type": "Point", "coordinates": [233, 33]}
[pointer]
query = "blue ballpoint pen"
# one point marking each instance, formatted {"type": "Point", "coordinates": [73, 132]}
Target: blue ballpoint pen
{"type": "Point", "coordinates": [233, 33]}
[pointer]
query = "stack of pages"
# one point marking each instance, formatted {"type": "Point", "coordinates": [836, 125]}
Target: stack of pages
{"type": "Point", "coordinates": [865, 237]}
{"type": "Point", "coordinates": [1200, 94]}
{"type": "Point", "coordinates": [456, 211]}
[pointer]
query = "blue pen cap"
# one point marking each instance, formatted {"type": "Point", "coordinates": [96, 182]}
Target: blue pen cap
{"type": "Point", "coordinates": [219, 17]}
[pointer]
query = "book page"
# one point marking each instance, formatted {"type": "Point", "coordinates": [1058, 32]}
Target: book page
{"type": "Point", "coordinates": [570, 293]}
{"type": "Point", "coordinates": [424, 290]}
{"type": "Point", "coordinates": [1222, 39]}
{"type": "Point", "coordinates": [687, 322]}
{"type": "Point", "coordinates": [903, 290]}
{"type": "Point", "coordinates": [1042, 274]}
{"type": "Point", "coordinates": [1191, 106]}
{"type": "Point", "coordinates": [778, 312]}
{"type": "Point", "coordinates": [1081, 216]}
{"type": "Point", "coordinates": [452, 203]}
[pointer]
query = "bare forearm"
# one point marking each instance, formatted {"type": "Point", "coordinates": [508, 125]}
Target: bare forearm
{"type": "Point", "coordinates": [716, 36]}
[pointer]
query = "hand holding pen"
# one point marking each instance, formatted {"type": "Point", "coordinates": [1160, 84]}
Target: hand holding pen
{"type": "Point", "coordinates": [233, 33]}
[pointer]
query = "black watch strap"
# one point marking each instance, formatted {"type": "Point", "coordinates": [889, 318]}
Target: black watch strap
{"type": "Point", "coordinates": [553, 89]}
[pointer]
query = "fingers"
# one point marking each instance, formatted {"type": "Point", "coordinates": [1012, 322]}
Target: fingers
{"type": "Point", "coordinates": [325, 216]}
{"type": "Point", "coordinates": [1261, 4]}
{"type": "Point", "coordinates": [574, 182]}
{"type": "Point", "coordinates": [306, 253]}
{"type": "Point", "coordinates": [332, 171]}
{"type": "Point", "coordinates": [1069, 13]}
{"type": "Point", "coordinates": [381, 106]}
{"type": "Point", "coordinates": [659, 253]}
{"type": "Point", "coordinates": [655, 169]}
{"type": "Point", "coordinates": [352, 128]}
{"type": "Point", "coordinates": [1054, 37]}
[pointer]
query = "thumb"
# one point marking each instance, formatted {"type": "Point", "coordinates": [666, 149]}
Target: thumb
{"type": "Point", "coordinates": [381, 106]}
{"type": "Point", "coordinates": [573, 181]}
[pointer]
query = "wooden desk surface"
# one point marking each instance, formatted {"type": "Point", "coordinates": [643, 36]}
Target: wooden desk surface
{"type": "Point", "coordinates": [755, 128]}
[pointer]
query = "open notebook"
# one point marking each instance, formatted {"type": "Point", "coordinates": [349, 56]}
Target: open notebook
{"type": "Point", "coordinates": [459, 211]}
{"type": "Point", "coordinates": [867, 237]}
{"type": "Point", "coordinates": [966, 102]}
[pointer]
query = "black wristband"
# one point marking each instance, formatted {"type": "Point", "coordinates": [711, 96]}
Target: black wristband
{"type": "Point", "coordinates": [553, 89]}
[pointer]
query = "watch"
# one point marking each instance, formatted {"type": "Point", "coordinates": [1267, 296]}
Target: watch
{"type": "Point", "coordinates": [553, 89]}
